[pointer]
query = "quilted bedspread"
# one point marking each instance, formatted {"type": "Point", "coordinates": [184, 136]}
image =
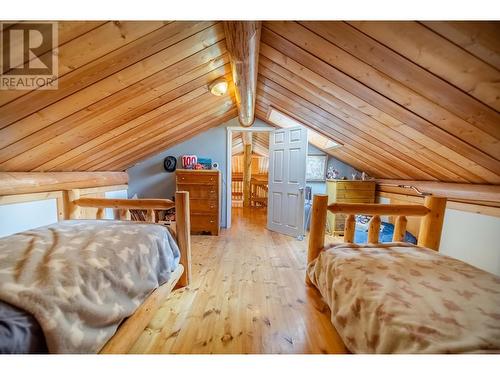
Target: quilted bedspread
{"type": "Point", "coordinates": [80, 279]}
{"type": "Point", "coordinates": [399, 298]}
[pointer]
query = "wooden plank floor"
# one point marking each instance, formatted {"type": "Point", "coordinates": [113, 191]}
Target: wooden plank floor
{"type": "Point", "coordinates": [247, 296]}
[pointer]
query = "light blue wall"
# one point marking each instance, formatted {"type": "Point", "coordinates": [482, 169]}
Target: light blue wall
{"type": "Point", "coordinates": [345, 169]}
{"type": "Point", "coordinates": [149, 179]}
{"type": "Point", "coordinates": [319, 187]}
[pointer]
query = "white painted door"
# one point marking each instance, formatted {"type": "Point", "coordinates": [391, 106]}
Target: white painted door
{"type": "Point", "coordinates": [287, 179]}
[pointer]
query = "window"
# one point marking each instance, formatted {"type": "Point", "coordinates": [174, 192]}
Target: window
{"type": "Point", "coordinates": [315, 138]}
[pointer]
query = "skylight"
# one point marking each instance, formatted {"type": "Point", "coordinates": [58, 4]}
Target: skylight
{"type": "Point", "coordinates": [315, 138]}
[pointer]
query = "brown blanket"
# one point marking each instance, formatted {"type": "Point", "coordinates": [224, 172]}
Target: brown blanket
{"type": "Point", "coordinates": [398, 298]}
{"type": "Point", "coordinates": [80, 279]}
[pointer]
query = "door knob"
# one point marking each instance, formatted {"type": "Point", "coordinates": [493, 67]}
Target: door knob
{"type": "Point", "coordinates": [301, 190]}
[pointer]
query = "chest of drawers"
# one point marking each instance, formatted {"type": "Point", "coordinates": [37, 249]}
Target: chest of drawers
{"type": "Point", "coordinates": [204, 198]}
{"type": "Point", "coordinates": [346, 191]}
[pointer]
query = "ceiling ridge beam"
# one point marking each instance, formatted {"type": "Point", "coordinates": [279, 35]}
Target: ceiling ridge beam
{"type": "Point", "coordinates": [243, 41]}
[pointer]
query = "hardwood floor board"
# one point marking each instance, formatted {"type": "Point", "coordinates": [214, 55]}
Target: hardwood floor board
{"type": "Point", "coordinates": [247, 295]}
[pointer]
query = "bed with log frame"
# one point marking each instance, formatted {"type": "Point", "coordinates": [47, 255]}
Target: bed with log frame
{"type": "Point", "coordinates": [130, 330]}
{"type": "Point", "coordinates": [76, 203]}
{"type": "Point", "coordinates": [397, 297]}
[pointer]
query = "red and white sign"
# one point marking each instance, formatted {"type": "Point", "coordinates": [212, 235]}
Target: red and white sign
{"type": "Point", "coordinates": [189, 161]}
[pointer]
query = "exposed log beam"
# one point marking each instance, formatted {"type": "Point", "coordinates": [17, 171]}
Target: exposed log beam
{"type": "Point", "coordinates": [475, 192]}
{"type": "Point", "coordinates": [32, 182]}
{"type": "Point", "coordinates": [243, 40]}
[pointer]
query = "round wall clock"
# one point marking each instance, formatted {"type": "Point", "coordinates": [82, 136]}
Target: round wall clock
{"type": "Point", "coordinates": [170, 163]}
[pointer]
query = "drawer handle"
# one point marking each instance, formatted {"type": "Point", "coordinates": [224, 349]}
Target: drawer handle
{"type": "Point", "coordinates": [212, 191]}
{"type": "Point", "coordinates": [211, 221]}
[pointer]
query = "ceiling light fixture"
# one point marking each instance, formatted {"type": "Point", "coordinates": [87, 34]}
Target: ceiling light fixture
{"type": "Point", "coordinates": [218, 87]}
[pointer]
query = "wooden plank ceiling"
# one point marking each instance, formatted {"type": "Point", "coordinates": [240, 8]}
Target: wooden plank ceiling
{"type": "Point", "coordinates": [260, 143]}
{"type": "Point", "coordinates": [407, 100]}
{"type": "Point", "coordinates": [127, 90]}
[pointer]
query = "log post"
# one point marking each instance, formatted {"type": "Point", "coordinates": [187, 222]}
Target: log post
{"type": "Point", "coordinates": [247, 174]}
{"type": "Point", "coordinates": [101, 213]}
{"type": "Point", "coordinates": [431, 226]}
{"type": "Point", "coordinates": [400, 229]}
{"type": "Point", "coordinates": [124, 214]}
{"type": "Point", "coordinates": [350, 228]}
{"type": "Point", "coordinates": [151, 216]}
{"type": "Point", "coordinates": [183, 229]}
{"type": "Point", "coordinates": [374, 229]}
{"type": "Point", "coordinates": [74, 211]}
{"type": "Point", "coordinates": [317, 232]}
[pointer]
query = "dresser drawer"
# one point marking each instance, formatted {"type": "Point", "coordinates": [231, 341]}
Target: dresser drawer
{"type": "Point", "coordinates": [352, 185]}
{"type": "Point", "coordinates": [199, 191]}
{"type": "Point", "coordinates": [197, 179]}
{"type": "Point", "coordinates": [368, 195]}
{"type": "Point", "coordinates": [200, 223]}
{"type": "Point", "coordinates": [203, 205]}
{"type": "Point", "coordinates": [354, 200]}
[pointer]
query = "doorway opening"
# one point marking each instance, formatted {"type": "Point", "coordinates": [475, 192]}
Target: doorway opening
{"type": "Point", "coordinates": [249, 170]}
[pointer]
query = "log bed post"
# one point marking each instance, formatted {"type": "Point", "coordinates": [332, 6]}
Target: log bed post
{"type": "Point", "coordinates": [101, 213]}
{"type": "Point", "coordinates": [74, 210]}
{"type": "Point", "coordinates": [183, 230]}
{"type": "Point", "coordinates": [317, 232]}
{"type": "Point", "coordinates": [350, 228]}
{"type": "Point", "coordinates": [374, 229]}
{"type": "Point", "coordinates": [399, 229]}
{"type": "Point", "coordinates": [431, 226]}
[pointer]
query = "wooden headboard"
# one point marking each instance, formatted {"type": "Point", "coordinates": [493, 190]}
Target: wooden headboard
{"type": "Point", "coordinates": [431, 212]}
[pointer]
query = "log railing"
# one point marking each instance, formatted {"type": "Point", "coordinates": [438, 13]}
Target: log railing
{"type": "Point", "coordinates": [123, 206]}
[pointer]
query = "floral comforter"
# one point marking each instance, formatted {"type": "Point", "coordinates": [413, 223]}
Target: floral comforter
{"type": "Point", "coordinates": [399, 298]}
